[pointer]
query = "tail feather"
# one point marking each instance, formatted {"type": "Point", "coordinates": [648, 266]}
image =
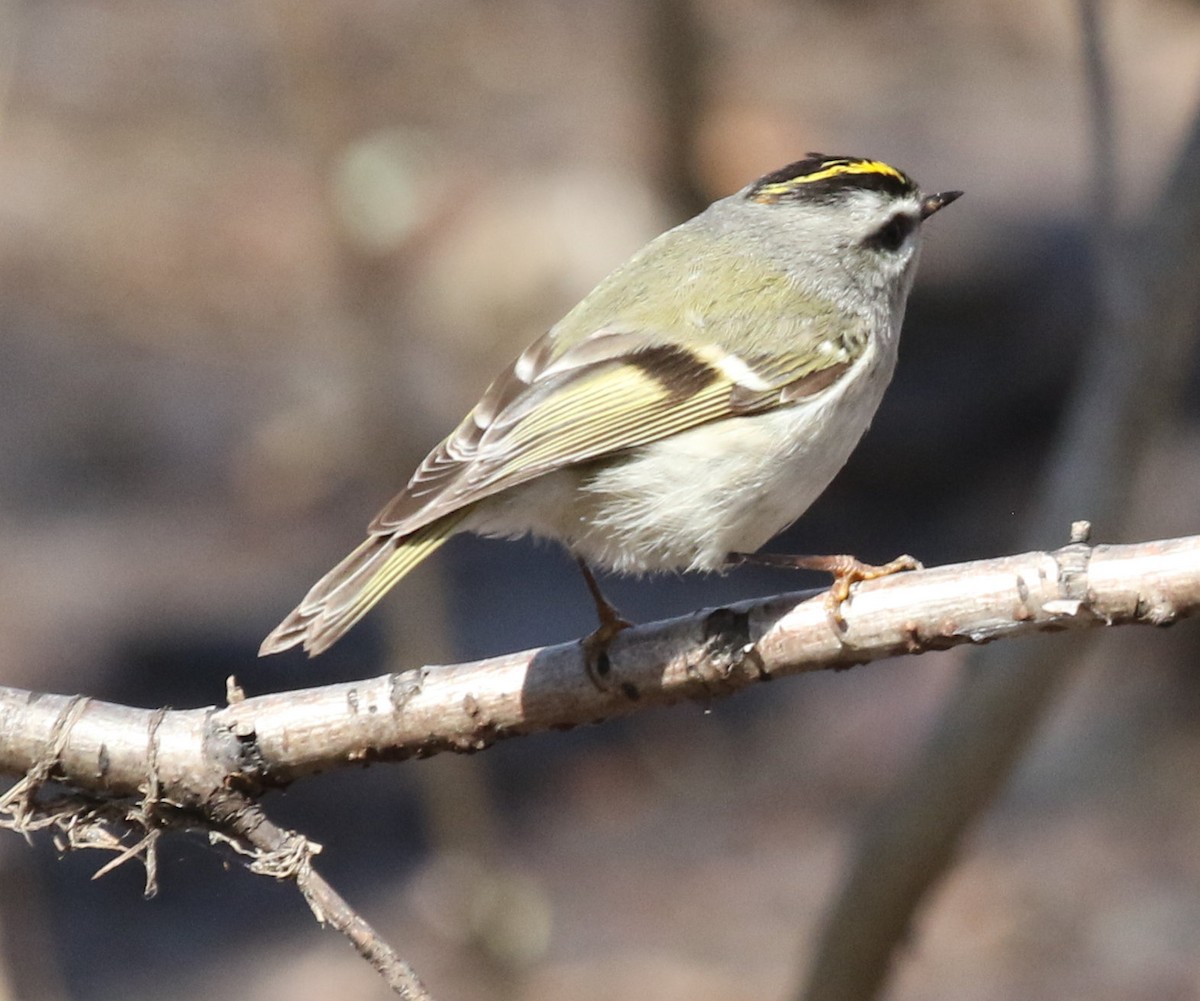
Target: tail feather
{"type": "Point", "coordinates": [352, 588]}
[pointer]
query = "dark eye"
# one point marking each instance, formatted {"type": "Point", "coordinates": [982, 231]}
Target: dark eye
{"type": "Point", "coordinates": [892, 234]}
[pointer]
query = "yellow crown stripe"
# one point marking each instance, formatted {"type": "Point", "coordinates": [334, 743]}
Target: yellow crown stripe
{"type": "Point", "coordinates": [835, 168]}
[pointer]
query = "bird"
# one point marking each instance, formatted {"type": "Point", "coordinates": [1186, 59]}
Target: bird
{"type": "Point", "coordinates": [686, 411]}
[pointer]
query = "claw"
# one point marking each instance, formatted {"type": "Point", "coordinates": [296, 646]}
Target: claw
{"type": "Point", "coordinates": [595, 645]}
{"type": "Point", "coordinates": [846, 570]}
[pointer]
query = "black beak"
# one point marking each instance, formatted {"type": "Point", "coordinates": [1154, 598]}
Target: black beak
{"type": "Point", "coordinates": [931, 203]}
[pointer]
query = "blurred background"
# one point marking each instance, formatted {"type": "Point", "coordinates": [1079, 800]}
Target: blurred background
{"type": "Point", "coordinates": [257, 259]}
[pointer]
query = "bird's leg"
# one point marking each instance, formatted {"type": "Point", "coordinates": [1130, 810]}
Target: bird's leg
{"type": "Point", "coordinates": [595, 646]}
{"type": "Point", "coordinates": [846, 570]}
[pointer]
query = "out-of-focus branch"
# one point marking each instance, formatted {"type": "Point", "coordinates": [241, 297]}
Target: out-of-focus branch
{"type": "Point", "coordinates": [678, 51]}
{"type": "Point", "coordinates": [1147, 303]}
{"type": "Point", "coordinates": [10, 40]}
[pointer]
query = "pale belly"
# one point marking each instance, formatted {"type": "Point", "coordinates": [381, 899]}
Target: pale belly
{"type": "Point", "coordinates": [685, 502]}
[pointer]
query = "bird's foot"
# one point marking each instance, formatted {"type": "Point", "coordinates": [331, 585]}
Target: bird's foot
{"type": "Point", "coordinates": [595, 645]}
{"type": "Point", "coordinates": [595, 650]}
{"type": "Point", "coordinates": [846, 570]}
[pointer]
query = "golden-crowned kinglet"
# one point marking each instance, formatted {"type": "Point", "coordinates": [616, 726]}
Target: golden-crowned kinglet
{"type": "Point", "coordinates": [692, 406]}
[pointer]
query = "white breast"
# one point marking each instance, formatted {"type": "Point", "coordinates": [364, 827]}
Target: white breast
{"type": "Point", "coordinates": [684, 502]}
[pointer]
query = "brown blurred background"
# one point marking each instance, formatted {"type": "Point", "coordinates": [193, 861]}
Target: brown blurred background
{"type": "Point", "coordinates": [256, 259]}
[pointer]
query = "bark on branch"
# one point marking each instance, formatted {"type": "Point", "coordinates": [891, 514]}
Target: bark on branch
{"type": "Point", "coordinates": [186, 756]}
{"type": "Point", "coordinates": [92, 768]}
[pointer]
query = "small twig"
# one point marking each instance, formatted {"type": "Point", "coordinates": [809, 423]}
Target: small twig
{"type": "Point", "coordinates": [18, 800]}
{"type": "Point", "coordinates": [287, 855]}
{"type": "Point", "coordinates": [84, 822]}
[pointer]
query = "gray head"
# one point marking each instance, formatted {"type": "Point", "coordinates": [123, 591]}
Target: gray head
{"type": "Point", "coordinates": [850, 226]}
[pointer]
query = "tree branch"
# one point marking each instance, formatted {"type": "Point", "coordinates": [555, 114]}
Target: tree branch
{"type": "Point", "coordinates": [189, 756]}
{"type": "Point", "coordinates": [285, 854]}
{"type": "Point", "coordinates": [92, 767]}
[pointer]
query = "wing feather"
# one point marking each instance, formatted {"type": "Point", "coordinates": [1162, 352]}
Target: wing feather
{"type": "Point", "coordinates": [616, 391]}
